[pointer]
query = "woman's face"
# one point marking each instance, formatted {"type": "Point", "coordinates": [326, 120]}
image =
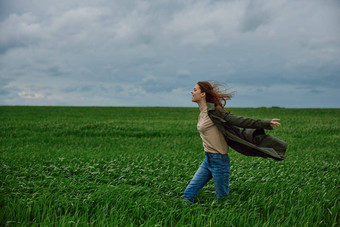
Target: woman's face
{"type": "Point", "coordinates": [197, 95]}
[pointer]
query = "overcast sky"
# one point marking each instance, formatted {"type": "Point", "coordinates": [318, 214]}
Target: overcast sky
{"type": "Point", "coordinates": [151, 53]}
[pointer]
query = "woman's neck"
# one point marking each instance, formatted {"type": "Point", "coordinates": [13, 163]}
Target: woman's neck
{"type": "Point", "coordinates": [202, 104]}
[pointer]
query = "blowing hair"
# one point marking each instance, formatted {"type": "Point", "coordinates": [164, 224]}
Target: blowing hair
{"type": "Point", "coordinates": [215, 93]}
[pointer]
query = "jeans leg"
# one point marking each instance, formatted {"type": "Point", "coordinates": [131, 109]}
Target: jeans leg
{"type": "Point", "coordinates": [220, 173]}
{"type": "Point", "coordinates": [201, 178]}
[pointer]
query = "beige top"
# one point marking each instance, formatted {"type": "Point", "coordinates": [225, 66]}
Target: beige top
{"type": "Point", "coordinates": [213, 139]}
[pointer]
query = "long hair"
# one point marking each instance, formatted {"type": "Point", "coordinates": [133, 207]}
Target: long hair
{"type": "Point", "coordinates": [215, 93]}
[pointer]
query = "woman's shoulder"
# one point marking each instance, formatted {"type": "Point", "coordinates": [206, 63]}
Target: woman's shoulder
{"type": "Point", "coordinates": [221, 109]}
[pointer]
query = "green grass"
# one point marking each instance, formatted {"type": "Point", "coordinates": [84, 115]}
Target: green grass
{"type": "Point", "coordinates": [114, 166]}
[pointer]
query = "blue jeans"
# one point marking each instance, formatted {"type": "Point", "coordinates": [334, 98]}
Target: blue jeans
{"type": "Point", "coordinates": [216, 166]}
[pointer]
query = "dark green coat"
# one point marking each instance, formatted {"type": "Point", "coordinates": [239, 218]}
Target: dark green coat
{"type": "Point", "coordinates": [246, 135]}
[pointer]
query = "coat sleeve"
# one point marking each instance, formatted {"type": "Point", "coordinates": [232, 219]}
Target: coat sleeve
{"type": "Point", "coordinates": [244, 122]}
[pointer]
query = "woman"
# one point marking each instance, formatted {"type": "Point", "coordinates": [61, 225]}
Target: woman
{"type": "Point", "coordinates": [212, 129]}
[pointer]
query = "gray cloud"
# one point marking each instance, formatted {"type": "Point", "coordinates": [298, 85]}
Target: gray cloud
{"type": "Point", "coordinates": [254, 16]}
{"type": "Point", "coordinates": [20, 31]}
{"type": "Point", "coordinates": [4, 90]}
{"type": "Point", "coordinates": [134, 52]}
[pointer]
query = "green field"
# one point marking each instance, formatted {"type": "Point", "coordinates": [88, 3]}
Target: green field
{"type": "Point", "coordinates": [129, 166]}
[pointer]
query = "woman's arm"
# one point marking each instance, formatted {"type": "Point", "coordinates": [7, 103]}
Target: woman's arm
{"type": "Point", "coordinates": [244, 122]}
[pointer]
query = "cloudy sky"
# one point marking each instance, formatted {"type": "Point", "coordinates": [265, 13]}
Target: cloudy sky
{"type": "Point", "coordinates": [151, 53]}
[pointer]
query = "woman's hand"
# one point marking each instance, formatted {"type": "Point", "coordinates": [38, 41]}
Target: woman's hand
{"type": "Point", "coordinates": [274, 122]}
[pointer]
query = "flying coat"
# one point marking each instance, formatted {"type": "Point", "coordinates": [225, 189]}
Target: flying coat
{"type": "Point", "coordinates": [246, 135]}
